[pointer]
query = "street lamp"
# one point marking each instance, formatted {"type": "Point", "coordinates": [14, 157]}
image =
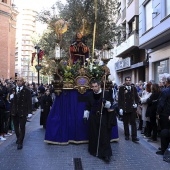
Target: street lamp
{"type": "Point", "coordinates": [38, 67]}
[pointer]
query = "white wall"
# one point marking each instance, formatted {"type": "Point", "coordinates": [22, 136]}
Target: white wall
{"type": "Point", "coordinates": [161, 54]}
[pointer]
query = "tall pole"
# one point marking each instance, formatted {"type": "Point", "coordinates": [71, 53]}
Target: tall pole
{"type": "Point", "coordinates": [32, 77]}
{"type": "Point", "coordinates": [94, 29]}
{"type": "Point", "coordinates": [38, 69]}
{"type": "Point", "coordinates": [38, 60]}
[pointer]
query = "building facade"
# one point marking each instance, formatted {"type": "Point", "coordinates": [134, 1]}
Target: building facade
{"type": "Point", "coordinates": [154, 35]}
{"type": "Point", "coordinates": [26, 26]}
{"type": "Point", "coordinates": [132, 60]}
{"type": "Point", "coordinates": [8, 16]}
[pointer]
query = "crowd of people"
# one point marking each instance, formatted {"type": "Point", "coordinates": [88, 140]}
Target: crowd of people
{"type": "Point", "coordinates": [147, 101]}
{"type": "Point", "coordinates": [18, 102]}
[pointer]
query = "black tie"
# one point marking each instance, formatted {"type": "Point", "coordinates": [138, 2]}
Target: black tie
{"type": "Point", "coordinates": [18, 89]}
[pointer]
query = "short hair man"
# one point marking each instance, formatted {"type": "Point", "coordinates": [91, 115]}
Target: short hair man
{"type": "Point", "coordinates": [164, 115]}
{"type": "Point", "coordinates": [97, 109]}
{"type": "Point", "coordinates": [127, 103]}
{"type": "Point", "coordinates": [21, 105]}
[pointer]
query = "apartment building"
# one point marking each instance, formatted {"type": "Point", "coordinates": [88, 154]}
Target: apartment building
{"type": "Point", "coordinates": [154, 35]}
{"type": "Point", "coordinates": [132, 60]}
{"type": "Point", "coordinates": [8, 14]}
{"type": "Point", "coordinates": [26, 26]}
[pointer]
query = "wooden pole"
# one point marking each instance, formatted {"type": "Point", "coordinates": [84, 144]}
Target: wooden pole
{"type": "Point", "coordinates": [94, 29]}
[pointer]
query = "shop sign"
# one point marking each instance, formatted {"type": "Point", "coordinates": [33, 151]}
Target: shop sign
{"type": "Point", "coordinates": [123, 64]}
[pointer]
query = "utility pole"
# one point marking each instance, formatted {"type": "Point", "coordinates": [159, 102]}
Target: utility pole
{"type": "Point", "coordinates": [94, 29]}
{"type": "Point", "coordinates": [38, 60]}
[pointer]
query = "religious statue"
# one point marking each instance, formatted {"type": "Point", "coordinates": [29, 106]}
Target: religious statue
{"type": "Point", "coordinates": [78, 50]}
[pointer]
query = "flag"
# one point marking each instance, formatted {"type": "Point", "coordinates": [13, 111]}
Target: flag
{"type": "Point", "coordinates": [32, 59]}
{"type": "Point", "coordinates": [40, 55]}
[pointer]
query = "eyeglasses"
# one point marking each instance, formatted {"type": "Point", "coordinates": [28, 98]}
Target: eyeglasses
{"type": "Point", "coordinates": [19, 80]}
{"type": "Point", "coordinates": [127, 80]}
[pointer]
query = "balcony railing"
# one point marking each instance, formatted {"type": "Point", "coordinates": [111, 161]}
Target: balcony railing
{"type": "Point", "coordinates": [119, 16]}
{"type": "Point", "coordinates": [130, 1]}
{"type": "Point", "coordinates": [124, 13]}
{"type": "Point", "coordinates": [130, 42]}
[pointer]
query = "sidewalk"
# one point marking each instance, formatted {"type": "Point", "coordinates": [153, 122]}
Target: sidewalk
{"type": "Point", "coordinates": [9, 138]}
{"type": "Point", "coordinates": [153, 146]}
{"type": "Point", "coordinates": [37, 155]}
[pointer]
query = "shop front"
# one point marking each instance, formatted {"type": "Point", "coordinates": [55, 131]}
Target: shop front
{"type": "Point", "coordinates": [136, 71]}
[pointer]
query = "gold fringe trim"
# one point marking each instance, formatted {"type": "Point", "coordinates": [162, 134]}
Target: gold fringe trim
{"type": "Point", "coordinates": [74, 142]}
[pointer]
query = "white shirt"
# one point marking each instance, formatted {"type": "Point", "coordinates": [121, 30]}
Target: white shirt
{"type": "Point", "coordinates": [98, 91]}
{"type": "Point", "coordinates": [128, 87]}
{"type": "Point", "coordinates": [17, 88]}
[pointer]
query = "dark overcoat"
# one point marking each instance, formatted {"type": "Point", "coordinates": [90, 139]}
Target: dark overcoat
{"type": "Point", "coordinates": [163, 109]}
{"type": "Point", "coordinates": [46, 104]}
{"type": "Point", "coordinates": [127, 98]}
{"type": "Point", "coordinates": [21, 104]}
{"type": "Point", "coordinates": [152, 102]}
{"type": "Point", "coordinates": [94, 103]}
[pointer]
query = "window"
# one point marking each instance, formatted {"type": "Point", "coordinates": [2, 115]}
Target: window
{"type": "Point", "coordinates": [5, 1]}
{"type": "Point", "coordinates": [160, 68]}
{"type": "Point", "coordinates": [148, 15]}
{"type": "Point", "coordinates": [167, 7]}
{"type": "Point", "coordinates": [133, 25]}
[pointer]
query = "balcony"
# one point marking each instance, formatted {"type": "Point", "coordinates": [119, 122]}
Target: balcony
{"type": "Point", "coordinates": [123, 13]}
{"type": "Point", "coordinates": [118, 17]}
{"type": "Point", "coordinates": [128, 44]}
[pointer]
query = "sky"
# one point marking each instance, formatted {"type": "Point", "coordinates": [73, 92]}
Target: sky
{"type": "Point", "coordinates": [37, 5]}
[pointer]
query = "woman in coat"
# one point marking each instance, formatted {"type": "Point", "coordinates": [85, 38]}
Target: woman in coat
{"type": "Point", "coordinates": [145, 95]}
{"type": "Point", "coordinates": [152, 108]}
{"type": "Point", "coordinates": [46, 104]}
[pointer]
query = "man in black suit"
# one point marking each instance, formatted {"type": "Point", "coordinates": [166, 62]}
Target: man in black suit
{"type": "Point", "coordinates": [21, 105]}
{"type": "Point", "coordinates": [163, 114]}
{"type": "Point", "coordinates": [127, 103]}
{"type": "Point", "coordinates": [99, 144]}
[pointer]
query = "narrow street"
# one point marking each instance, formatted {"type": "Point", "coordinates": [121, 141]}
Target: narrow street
{"type": "Point", "coordinates": [37, 155]}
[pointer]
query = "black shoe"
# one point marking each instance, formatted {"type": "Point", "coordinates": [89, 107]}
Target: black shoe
{"type": "Point", "coordinates": [147, 136]}
{"type": "Point", "coordinates": [159, 148]}
{"type": "Point", "coordinates": [152, 140]}
{"type": "Point", "coordinates": [135, 139]}
{"type": "Point", "coordinates": [160, 153]}
{"type": "Point", "coordinates": [106, 159]}
{"type": "Point", "coordinates": [126, 137]}
{"type": "Point", "coordinates": [16, 141]}
{"type": "Point", "coordinates": [142, 133]}
{"type": "Point", "coordinates": [19, 146]}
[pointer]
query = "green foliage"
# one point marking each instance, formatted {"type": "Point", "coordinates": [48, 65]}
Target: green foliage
{"type": "Point", "coordinates": [96, 72]}
{"type": "Point", "coordinates": [69, 73]}
{"type": "Point", "coordinates": [80, 15]}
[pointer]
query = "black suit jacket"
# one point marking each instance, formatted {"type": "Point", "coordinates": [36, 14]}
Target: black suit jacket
{"type": "Point", "coordinates": [21, 105]}
{"type": "Point", "coordinates": [126, 98]}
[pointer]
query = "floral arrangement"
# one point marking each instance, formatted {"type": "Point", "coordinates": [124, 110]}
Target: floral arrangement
{"type": "Point", "coordinates": [96, 71]}
{"type": "Point", "coordinates": [69, 72]}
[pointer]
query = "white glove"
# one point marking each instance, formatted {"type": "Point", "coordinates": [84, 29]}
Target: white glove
{"type": "Point", "coordinates": [107, 104]}
{"type": "Point", "coordinates": [11, 96]}
{"type": "Point", "coordinates": [121, 112]}
{"type": "Point", "coordinates": [42, 110]}
{"type": "Point", "coordinates": [86, 114]}
{"type": "Point", "coordinates": [135, 106]}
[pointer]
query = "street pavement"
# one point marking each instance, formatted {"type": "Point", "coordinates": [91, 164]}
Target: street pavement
{"type": "Point", "coordinates": [37, 155]}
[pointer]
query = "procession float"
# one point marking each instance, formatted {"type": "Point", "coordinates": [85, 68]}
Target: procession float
{"type": "Point", "coordinates": [71, 82]}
